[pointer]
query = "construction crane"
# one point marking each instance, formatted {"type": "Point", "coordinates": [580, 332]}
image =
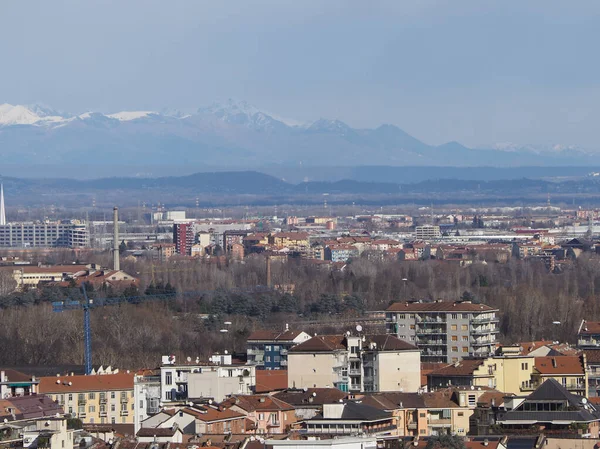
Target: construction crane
{"type": "Point", "coordinates": [89, 303]}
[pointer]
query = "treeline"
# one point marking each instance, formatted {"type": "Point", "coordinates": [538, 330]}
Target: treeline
{"type": "Point", "coordinates": [194, 308]}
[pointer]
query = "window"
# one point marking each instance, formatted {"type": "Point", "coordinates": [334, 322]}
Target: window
{"type": "Point", "coordinates": [422, 415]}
{"type": "Point", "coordinates": [124, 407]}
{"type": "Point", "coordinates": [113, 420]}
{"type": "Point", "coordinates": [401, 316]}
{"type": "Point", "coordinates": [422, 431]}
{"type": "Point", "coordinates": [70, 397]}
{"type": "Point", "coordinates": [472, 400]}
{"type": "Point", "coordinates": [112, 407]}
{"type": "Point", "coordinates": [455, 338]}
{"type": "Point", "coordinates": [92, 409]}
{"type": "Point", "coordinates": [267, 358]}
{"type": "Point", "coordinates": [412, 326]}
{"type": "Point", "coordinates": [465, 349]}
{"type": "Point", "coordinates": [261, 416]}
{"type": "Point", "coordinates": [461, 413]}
{"type": "Point", "coordinates": [112, 395]}
{"type": "Point", "coordinates": [524, 366]}
{"type": "Point", "coordinates": [141, 403]}
{"type": "Point", "coordinates": [454, 348]}
{"type": "Point", "coordinates": [70, 410]}
{"type": "Point", "coordinates": [169, 378]}
{"type": "Point", "coordinates": [92, 396]}
{"type": "Point", "coordinates": [465, 338]}
{"type": "Point", "coordinates": [273, 418]}
{"type": "Point", "coordinates": [465, 316]}
{"type": "Point", "coordinates": [464, 327]}
{"type": "Point", "coordinates": [267, 347]}
{"type": "Point", "coordinates": [453, 327]}
{"type": "Point", "coordinates": [454, 316]}
{"type": "Point", "coordinates": [276, 348]}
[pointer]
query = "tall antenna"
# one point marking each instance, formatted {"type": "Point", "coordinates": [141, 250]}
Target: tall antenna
{"type": "Point", "coordinates": [2, 210]}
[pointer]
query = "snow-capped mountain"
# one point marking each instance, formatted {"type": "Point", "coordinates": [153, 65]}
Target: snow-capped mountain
{"type": "Point", "coordinates": [241, 134]}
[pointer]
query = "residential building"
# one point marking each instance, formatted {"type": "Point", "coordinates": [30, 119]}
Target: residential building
{"type": "Point", "coordinates": [408, 409]}
{"type": "Point", "coordinates": [337, 443]}
{"type": "Point", "coordinates": [355, 363]}
{"type": "Point", "coordinates": [71, 234]}
{"type": "Point", "coordinates": [340, 252]}
{"type": "Point", "coordinates": [351, 418]}
{"type": "Point", "coordinates": [588, 335]}
{"type": "Point", "coordinates": [147, 398]}
{"type": "Point", "coordinates": [95, 399]}
{"type": "Point", "coordinates": [550, 409]}
{"type": "Point", "coordinates": [198, 419]}
{"type": "Point", "coordinates": [569, 371]}
{"type": "Point", "coordinates": [592, 368]}
{"type": "Point", "coordinates": [445, 331]}
{"type": "Point", "coordinates": [269, 349]}
{"type": "Point", "coordinates": [160, 435]}
{"type": "Point", "coordinates": [268, 414]}
{"type": "Point", "coordinates": [216, 379]}
{"type": "Point", "coordinates": [14, 383]}
{"type": "Point", "coordinates": [295, 242]}
{"type": "Point", "coordinates": [308, 402]}
{"type": "Point", "coordinates": [48, 433]}
{"type": "Point", "coordinates": [183, 237]}
{"type": "Point", "coordinates": [427, 232]}
{"type": "Point", "coordinates": [31, 276]}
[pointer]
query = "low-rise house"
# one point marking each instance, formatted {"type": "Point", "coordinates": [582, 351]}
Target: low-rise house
{"type": "Point", "coordinates": [446, 414]}
{"type": "Point", "coordinates": [309, 402]}
{"type": "Point", "coordinates": [550, 409]}
{"type": "Point", "coordinates": [268, 414]}
{"type": "Point", "coordinates": [160, 435]}
{"type": "Point", "coordinates": [351, 418]}
{"type": "Point", "coordinates": [95, 399]}
{"type": "Point", "coordinates": [408, 409]}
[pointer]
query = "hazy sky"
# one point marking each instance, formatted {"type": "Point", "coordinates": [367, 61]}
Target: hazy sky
{"type": "Point", "coordinates": [478, 71]}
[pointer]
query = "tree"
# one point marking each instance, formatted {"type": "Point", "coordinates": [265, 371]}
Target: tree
{"type": "Point", "coordinates": [446, 442]}
{"type": "Point", "coordinates": [8, 284]}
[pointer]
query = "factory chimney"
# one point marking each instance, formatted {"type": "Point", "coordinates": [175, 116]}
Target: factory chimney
{"type": "Point", "coordinates": [268, 271]}
{"type": "Point", "coordinates": [116, 262]}
{"type": "Point", "coordinates": [2, 210]}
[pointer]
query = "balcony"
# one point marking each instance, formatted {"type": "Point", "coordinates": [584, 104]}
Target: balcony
{"type": "Point", "coordinates": [273, 424]}
{"type": "Point", "coordinates": [443, 422]}
{"type": "Point", "coordinates": [124, 413]}
{"type": "Point", "coordinates": [124, 399]}
{"type": "Point", "coordinates": [431, 342]}
{"type": "Point", "coordinates": [483, 331]}
{"type": "Point", "coordinates": [283, 362]}
{"type": "Point", "coordinates": [425, 320]}
{"type": "Point", "coordinates": [254, 351]}
{"type": "Point", "coordinates": [81, 415]}
{"type": "Point", "coordinates": [475, 342]}
{"type": "Point", "coordinates": [104, 414]}
{"type": "Point", "coordinates": [81, 401]}
{"type": "Point", "coordinates": [412, 426]}
{"type": "Point", "coordinates": [354, 371]}
{"type": "Point", "coordinates": [103, 399]}
{"type": "Point", "coordinates": [438, 331]}
{"type": "Point", "coordinates": [182, 378]}
{"type": "Point", "coordinates": [283, 351]}
{"type": "Point", "coordinates": [485, 320]}
{"type": "Point", "coordinates": [354, 387]}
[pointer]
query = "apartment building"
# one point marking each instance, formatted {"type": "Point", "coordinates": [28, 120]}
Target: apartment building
{"type": "Point", "coordinates": [44, 235]}
{"type": "Point", "coordinates": [183, 237]}
{"type": "Point", "coordinates": [215, 379]}
{"type": "Point", "coordinates": [588, 339]}
{"type": "Point", "coordinates": [355, 363]}
{"type": "Point", "coordinates": [269, 349]}
{"type": "Point", "coordinates": [95, 399]}
{"type": "Point", "coordinates": [14, 383]}
{"type": "Point", "coordinates": [147, 398]}
{"type": "Point", "coordinates": [268, 414]}
{"type": "Point", "coordinates": [445, 331]}
{"type": "Point", "coordinates": [427, 232]}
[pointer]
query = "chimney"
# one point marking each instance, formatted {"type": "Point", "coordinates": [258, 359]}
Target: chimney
{"type": "Point", "coordinates": [116, 262]}
{"type": "Point", "coordinates": [268, 271]}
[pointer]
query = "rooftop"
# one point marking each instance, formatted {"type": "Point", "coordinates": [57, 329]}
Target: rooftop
{"type": "Point", "coordinates": [440, 306]}
{"type": "Point", "coordinates": [75, 384]}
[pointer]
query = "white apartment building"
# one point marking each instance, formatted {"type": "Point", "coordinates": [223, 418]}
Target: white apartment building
{"type": "Point", "coordinates": [427, 232]}
{"type": "Point", "coordinates": [445, 331]}
{"type": "Point", "coordinates": [355, 363]}
{"type": "Point", "coordinates": [44, 235]}
{"type": "Point", "coordinates": [216, 379]}
{"type": "Point", "coordinates": [147, 398]}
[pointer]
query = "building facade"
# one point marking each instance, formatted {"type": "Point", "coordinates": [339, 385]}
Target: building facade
{"type": "Point", "coordinates": [355, 363]}
{"type": "Point", "coordinates": [44, 235]}
{"type": "Point", "coordinates": [445, 331]}
{"type": "Point", "coordinates": [95, 399]}
{"type": "Point", "coordinates": [269, 349]}
{"type": "Point", "coordinates": [183, 237]}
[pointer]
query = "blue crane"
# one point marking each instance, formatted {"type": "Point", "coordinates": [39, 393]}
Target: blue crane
{"type": "Point", "coordinates": [89, 303]}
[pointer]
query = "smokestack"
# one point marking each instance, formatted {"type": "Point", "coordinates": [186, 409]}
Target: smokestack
{"type": "Point", "coordinates": [268, 271]}
{"type": "Point", "coordinates": [116, 262]}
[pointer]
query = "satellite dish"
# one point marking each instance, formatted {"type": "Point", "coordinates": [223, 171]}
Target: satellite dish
{"type": "Point", "coordinates": [358, 328]}
{"type": "Point", "coordinates": [584, 401]}
{"type": "Point", "coordinates": [189, 359]}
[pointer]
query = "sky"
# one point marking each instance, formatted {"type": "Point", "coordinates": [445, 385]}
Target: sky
{"type": "Point", "coordinates": [477, 72]}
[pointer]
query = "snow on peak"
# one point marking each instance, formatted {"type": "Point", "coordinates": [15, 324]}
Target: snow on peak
{"type": "Point", "coordinates": [24, 115]}
{"type": "Point", "coordinates": [126, 116]}
{"type": "Point", "coordinates": [242, 112]}
{"type": "Point", "coordinates": [330, 126]}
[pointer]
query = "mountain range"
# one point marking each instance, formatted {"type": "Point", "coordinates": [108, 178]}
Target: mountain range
{"type": "Point", "coordinates": [230, 135]}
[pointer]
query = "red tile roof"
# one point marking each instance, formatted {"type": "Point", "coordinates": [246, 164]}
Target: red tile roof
{"type": "Point", "coordinates": [565, 364]}
{"type": "Point", "coordinates": [211, 414]}
{"type": "Point", "coordinates": [258, 402]}
{"type": "Point", "coordinates": [463, 368]}
{"type": "Point", "coordinates": [271, 380]}
{"type": "Point", "coordinates": [98, 382]}
{"type": "Point", "coordinates": [590, 327]}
